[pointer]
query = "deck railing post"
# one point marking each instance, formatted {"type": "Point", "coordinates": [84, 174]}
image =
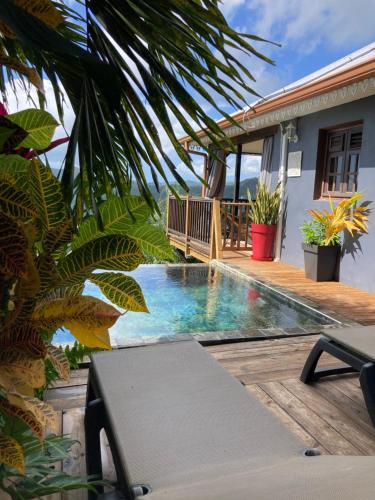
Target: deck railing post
{"type": "Point", "coordinates": [167, 214]}
{"type": "Point", "coordinates": [187, 223]}
{"type": "Point", "coordinates": [216, 223]}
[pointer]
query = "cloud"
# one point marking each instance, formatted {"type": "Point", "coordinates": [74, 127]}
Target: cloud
{"type": "Point", "coordinates": [250, 166]}
{"type": "Point", "coordinates": [306, 24]}
{"type": "Point", "coordinates": [229, 6]}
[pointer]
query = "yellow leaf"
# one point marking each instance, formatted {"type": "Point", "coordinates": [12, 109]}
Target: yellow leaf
{"type": "Point", "coordinates": [11, 453]}
{"type": "Point", "coordinates": [59, 361]}
{"type": "Point", "coordinates": [24, 339]}
{"type": "Point", "coordinates": [88, 318]}
{"type": "Point", "coordinates": [90, 336]}
{"type": "Point", "coordinates": [42, 411]}
{"type": "Point", "coordinates": [30, 282]}
{"type": "Point", "coordinates": [22, 368]}
{"type": "Point", "coordinates": [27, 417]}
{"type": "Point", "coordinates": [8, 384]}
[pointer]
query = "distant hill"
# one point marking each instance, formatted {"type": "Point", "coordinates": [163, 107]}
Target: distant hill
{"type": "Point", "coordinates": [196, 188]}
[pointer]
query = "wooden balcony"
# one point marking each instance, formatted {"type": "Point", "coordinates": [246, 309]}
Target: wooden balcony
{"type": "Point", "coordinates": [205, 228]}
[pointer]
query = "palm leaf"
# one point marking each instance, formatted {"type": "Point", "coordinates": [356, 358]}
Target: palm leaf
{"type": "Point", "coordinates": [154, 73]}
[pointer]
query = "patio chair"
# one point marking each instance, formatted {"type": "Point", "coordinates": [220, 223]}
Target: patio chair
{"type": "Point", "coordinates": [180, 427]}
{"type": "Point", "coordinates": [355, 346]}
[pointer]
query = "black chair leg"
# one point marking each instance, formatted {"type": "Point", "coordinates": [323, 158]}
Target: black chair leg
{"type": "Point", "coordinates": [94, 423]}
{"type": "Point", "coordinates": [307, 375]}
{"type": "Point", "coordinates": [367, 380]}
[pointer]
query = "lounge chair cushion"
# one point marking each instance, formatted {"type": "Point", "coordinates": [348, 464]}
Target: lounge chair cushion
{"type": "Point", "coordinates": [360, 339]}
{"type": "Point", "coordinates": [299, 478]}
{"type": "Point", "coordinates": [179, 417]}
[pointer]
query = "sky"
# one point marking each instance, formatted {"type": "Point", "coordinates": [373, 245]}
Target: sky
{"type": "Point", "coordinates": [312, 34]}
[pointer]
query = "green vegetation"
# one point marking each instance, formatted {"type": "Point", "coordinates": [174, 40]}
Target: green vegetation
{"type": "Point", "coordinates": [265, 208]}
{"type": "Point", "coordinates": [314, 233]}
{"type": "Point", "coordinates": [328, 224]}
{"type": "Point", "coordinates": [119, 101]}
{"type": "Point", "coordinates": [54, 234]}
{"type": "Point", "coordinates": [43, 266]}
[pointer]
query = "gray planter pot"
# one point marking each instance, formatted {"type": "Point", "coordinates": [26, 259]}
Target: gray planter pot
{"type": "Point", "coordinates": [321, 263]}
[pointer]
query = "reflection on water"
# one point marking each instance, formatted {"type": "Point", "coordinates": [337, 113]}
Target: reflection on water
{"type": "Point", "coordinates": [201, 298]}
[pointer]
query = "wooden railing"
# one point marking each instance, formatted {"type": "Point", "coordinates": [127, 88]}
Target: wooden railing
{"type": "Point", "coordinates": [235, 225]}
{"type": "Point", "coordinates": [205, 227]}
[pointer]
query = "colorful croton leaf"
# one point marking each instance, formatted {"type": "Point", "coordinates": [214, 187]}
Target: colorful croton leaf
{"type": "Point", "coordinates": [44, 264]}
{"type": "Point", "coordinates": [11, 453]}
{"type": "Point", "coordinates": [87, 318]}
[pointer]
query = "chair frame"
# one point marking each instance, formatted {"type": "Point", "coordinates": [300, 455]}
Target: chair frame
{"type": "Point", "coordinates": [95, 420]}
{"type": "Point", "coordinates": [356, 363]}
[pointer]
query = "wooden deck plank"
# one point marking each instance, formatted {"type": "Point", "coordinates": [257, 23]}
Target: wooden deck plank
{"type": "Point", "coordinates": [75, 465]}
{"type": "Point", "coordinates": [287, 420]}
{"type": "Point", "coordinates": [348, 301]}
{"type": "Point", "coordinates": [329, 414]}
{"type": "Point", "coordinates": [311, 421]}
{"type": "Point", "coordinates": [337, 419]}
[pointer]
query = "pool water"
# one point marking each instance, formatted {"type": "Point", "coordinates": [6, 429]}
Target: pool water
{"type": "Point", "coordinates": [202, 298]}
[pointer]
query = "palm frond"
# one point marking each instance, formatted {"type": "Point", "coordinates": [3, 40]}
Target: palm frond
{"type": "Point", "coordinates": [129, 70]}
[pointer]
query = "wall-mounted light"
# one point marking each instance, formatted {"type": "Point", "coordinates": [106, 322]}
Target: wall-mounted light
{"type": "Point", "coordinates": [291, 131]}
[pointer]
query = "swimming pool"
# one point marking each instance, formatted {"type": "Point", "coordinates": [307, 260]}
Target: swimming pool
{"type": "Point", "coordinates": [208, 302]}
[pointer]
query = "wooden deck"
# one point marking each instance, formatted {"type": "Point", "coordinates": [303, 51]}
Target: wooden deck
{"type": "Point", "coordinates": [349, 302]}
{"type": "Point", "coordinates": [330, 414]}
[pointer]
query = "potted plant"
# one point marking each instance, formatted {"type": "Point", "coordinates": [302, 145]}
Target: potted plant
{"type": "Point", "coordinates": [264, 212]}
{"type": "Point", "coordinates": [321, 235]}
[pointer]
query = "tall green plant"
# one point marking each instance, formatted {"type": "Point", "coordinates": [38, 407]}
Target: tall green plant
{"type": "Point", "coordinates": [265, 208]}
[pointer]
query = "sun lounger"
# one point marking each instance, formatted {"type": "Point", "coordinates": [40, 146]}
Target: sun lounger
{"type": "Point", "coordinates": [355, 346]}
{"type": "Point", "coordinates": [180, 427]}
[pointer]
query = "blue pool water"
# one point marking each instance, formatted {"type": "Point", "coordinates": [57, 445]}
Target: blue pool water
{"type": "Point", "coordinates": [202, 298]}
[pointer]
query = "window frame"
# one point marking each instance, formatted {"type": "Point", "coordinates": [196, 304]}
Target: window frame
{"type": "Point", "coordinates": [323, 158]}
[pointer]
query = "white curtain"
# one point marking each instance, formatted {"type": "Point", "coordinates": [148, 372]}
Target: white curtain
{"type": "Point", "coordinates": [266, 163]}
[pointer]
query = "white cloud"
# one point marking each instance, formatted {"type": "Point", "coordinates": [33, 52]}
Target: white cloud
{"type": "Point", "coordinates": [250, 166]}
{"type": "Point", "coordinates": [229, 6]}
{"type": "Point", "coordinates": [306, 24]}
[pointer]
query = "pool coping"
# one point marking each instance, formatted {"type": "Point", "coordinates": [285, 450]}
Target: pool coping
{"type": "Point", "coordinates": [337, 318]}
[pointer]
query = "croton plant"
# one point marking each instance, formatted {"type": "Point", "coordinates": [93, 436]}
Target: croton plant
{"type": "Point", "coordinates": [44, 263]}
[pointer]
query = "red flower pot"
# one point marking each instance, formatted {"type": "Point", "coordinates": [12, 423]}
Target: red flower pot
{"type": "Point", "coordinates": [263, 237]}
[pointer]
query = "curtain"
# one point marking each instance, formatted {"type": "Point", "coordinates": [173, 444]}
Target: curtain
{"type": "Point", "coordinates": [217, 172]}
{"type": "Point", "coordinates": [266, 163]}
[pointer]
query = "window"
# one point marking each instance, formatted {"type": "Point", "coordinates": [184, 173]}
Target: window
{"type": "Point", "coordinates": [338, 162]}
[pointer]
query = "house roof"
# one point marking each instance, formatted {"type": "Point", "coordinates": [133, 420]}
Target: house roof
{"type": "Point", "coordinates": [349, 70]}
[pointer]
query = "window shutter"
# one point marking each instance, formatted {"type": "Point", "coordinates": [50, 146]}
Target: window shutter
{"type": "Point", "coordinates": [355, 140]}
{"type": "Point", "coordinates": [336, 142]}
